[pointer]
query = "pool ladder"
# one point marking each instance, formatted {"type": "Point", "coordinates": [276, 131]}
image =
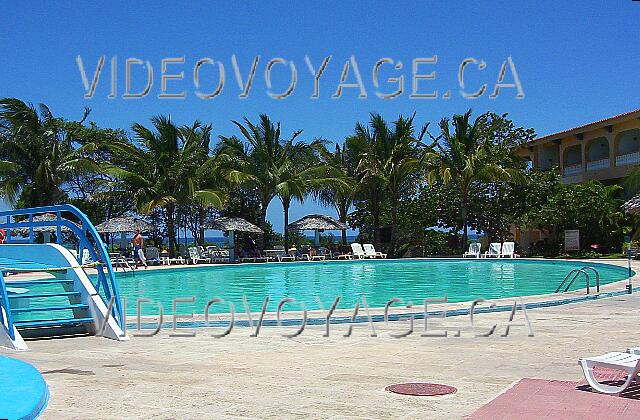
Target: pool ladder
{"type": "Point", "coordinates": [575, 273]}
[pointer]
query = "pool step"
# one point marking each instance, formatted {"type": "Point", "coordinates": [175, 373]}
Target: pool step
{"type": "Point", "coordinates": [49, 308]}
{"type": "Point", "coordinates": [28, 283]}
{"type": "Point", "coordinates": [51, 323]}
{"type": "Point", "coordinates": [44, 295]}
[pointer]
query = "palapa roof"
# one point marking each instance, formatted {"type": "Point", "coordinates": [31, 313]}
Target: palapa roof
{"type": "Point", "coordinates": [46, 217]}
{"type": "Point", "coordinates": [633, 206]}
{"type": "Point", "coordinates": [317, 221]}
{"type": "Point", "coordinates": [237, 224]}
{"type": "Point", "coordinates": [124, 224]}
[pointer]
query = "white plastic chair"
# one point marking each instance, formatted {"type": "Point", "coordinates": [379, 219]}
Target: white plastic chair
{"type": "Point", "coordinates": [508, 250]}
{"type": "Point", "coordinates": [495, 249]}
{"type": "Point", "coordinates": [282, 255]}
{"type": "Point", "coordinates": [357, 250]}
{"type": "Point", "coordinates": [195, 256]}
{"type": "Point", "coordinates": [474, 250]}
{"type": "Point", "coordinates": [629, 363]}
{"type": "Point", "coordinates": [152, 255]}
{"type": "Point", "coordinates": [370, 252]}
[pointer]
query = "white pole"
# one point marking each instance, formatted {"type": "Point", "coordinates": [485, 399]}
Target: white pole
{"type": "Point", "coordinates": [232, 256]}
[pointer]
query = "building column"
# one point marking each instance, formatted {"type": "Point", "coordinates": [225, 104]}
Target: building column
{"type": "Point", "coordinates": [612, 150]}
{"type": "Point", "coordinates": [561, 148]}
{"type": "Point", "coordinates": [535, 156]}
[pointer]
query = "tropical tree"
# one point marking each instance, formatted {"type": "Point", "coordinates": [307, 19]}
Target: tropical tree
{"type": "Point", "coordinates": [39, 154]}
{"type": "Point", "coordinates": [554, 207]}
{"type": "Point", "coordinates": [208, 189]}
{"type": "Point", "coordinates": [344, 161]}
{"type": "Point", "coordinates": [388, 166]}
{"type": "Point", "coordinates": [465, 156]}
{"type": "Point", "coordinates": [161, 169]}
{"type": "Point", "coordinates": [273, 166]}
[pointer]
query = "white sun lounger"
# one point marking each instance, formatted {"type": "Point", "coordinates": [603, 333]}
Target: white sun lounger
{"type": "Point", "coordinates": [626, 362]}
{"type": "Point", "coordinates": [508, 250]}
{"type": "Point", "coordinates": [153, 255]}
{"type": "Point", "coordinates": [195, 257]}
{"type": "Point", "coordinates": [494, 251]}
{"type": "Point", "coordinates": [370, 252]}
{"type": "Point", "coordinates": [474, 250]}
{"type": "Point", "coordinates": [357, 250]}
{"type": "Point", "coordinates": [344, 257]}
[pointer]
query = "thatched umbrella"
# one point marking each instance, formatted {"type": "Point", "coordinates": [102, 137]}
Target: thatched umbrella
{"type": "Point", "coordinates": [46, 230]}
{"type": "Point", "coordinates": [632, 206]}
{"type": "Point", "coordinates": [317, 223]}
{"type": "Point", "coordinates": [233, 225]}
{"type": "Point", "coordinates": [124, 225]}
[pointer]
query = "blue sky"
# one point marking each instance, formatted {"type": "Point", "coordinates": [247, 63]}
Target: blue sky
{"type": "Point", "coordinates": [577, 62]}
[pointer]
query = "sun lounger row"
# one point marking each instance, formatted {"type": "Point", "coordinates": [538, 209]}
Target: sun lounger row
{"type": "Point", "coordinates": [213, 254]}
{"type": "Point", "coordinates": [496, 250]}
{"type": "Point", "coordinates": [364, 251]}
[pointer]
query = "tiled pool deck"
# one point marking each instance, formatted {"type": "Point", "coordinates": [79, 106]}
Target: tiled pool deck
{"type": "Point", "coordinates": [314, 376]}
{"type": "Point", "coordinates": [552, 399]}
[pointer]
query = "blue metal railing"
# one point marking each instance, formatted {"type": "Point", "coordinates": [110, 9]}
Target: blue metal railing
{"type": "Point", "coordinates": [4, 303]}
{"type": "Point", "coordinates": [88, 238]}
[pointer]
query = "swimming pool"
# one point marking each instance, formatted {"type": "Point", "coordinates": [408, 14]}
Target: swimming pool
{"type": "Point", "coordinates": [378, 280]}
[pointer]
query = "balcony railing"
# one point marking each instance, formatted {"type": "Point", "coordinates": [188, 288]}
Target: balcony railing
{"type": "Point", "coordinates": [572, 179]}
{"type": "Point", "coordinates": [628, 159]}
{"type": "Point", "coordinates": [598, 164]}
{"type": "Point", "coordinates": [572, 170]}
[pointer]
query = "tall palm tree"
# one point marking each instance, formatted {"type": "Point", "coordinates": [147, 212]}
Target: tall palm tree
{"type": "Point", "coordinates": [344, 160]}
{"type": "Point", "coordinates": [387, 167]}
{"type": "Point", "coordinates": [273, 166]}
{"type": "Point", "coordinates": [38, 154]}
{"type": "Point", "coordinates": [463, 157]}
{"type": "Point", "coordinates": [161, 169]}
{"type": "Point", "coordinates": [207, 187]}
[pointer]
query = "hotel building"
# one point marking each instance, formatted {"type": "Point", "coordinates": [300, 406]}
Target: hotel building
{"type": "Point", "coordinates": [604, 150]}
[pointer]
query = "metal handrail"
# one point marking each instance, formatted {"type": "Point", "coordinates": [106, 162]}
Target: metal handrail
{"type": "Point", "coordinates": [597, 277]}
{"type": "Point", "coordinates": [86, 234]}
{"type": "Point", "coordinates": [576, 272]}
{"type": "Point", "coordinates": [565, 280]}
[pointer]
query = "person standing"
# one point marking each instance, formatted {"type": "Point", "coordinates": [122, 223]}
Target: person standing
{"type": "Point", "coordinates": [138, 246]}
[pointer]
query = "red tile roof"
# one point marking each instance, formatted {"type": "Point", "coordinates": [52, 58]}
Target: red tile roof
{"type": "Point", "coordinates": [592, 125]}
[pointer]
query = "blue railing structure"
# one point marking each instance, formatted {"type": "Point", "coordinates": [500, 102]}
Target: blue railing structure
{"type": "Point", "coordinates": [4, 303]}
{"type": "Point", "coordinates": [88, 238]}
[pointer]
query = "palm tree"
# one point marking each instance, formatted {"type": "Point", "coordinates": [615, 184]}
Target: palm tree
{"type": "Point", "coordinates": [161, 169]}
{"type": "Point", "coordinates": [462, 158]}
{"type": "Point", "coordinates": [387, 167]}
{"type": "Point", "coordinates": [38, 154]}
{"type": "Point", "coordinates": [272, 166]}
{"type": "Point", "coordinates": [344, 161]}
{"type": "Point", "coordinates": [207, 187]}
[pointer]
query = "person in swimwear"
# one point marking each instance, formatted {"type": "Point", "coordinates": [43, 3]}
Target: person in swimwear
{"type": "Point", "coordinates": [138, 246]}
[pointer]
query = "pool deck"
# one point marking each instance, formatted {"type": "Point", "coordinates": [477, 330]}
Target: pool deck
{"type": "Point", "coordinates": [270, 376]}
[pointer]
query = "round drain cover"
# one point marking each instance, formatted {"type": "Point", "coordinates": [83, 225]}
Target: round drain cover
{"type": "Point", "coordinates": [421, 389]}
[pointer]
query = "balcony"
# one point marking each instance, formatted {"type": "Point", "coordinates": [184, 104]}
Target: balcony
{"type": "Point", "coordinates": [572, 179]}
{"type": "Point", "coordinates": [628, 159]}
{"type": "Point", "coordinates": [598, 164]}
{"type": "Point", "coordinates": [572, 170]}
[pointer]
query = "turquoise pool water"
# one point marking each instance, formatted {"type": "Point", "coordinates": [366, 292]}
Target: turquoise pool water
{"type": "Point", "coordinates": [411, 280]}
